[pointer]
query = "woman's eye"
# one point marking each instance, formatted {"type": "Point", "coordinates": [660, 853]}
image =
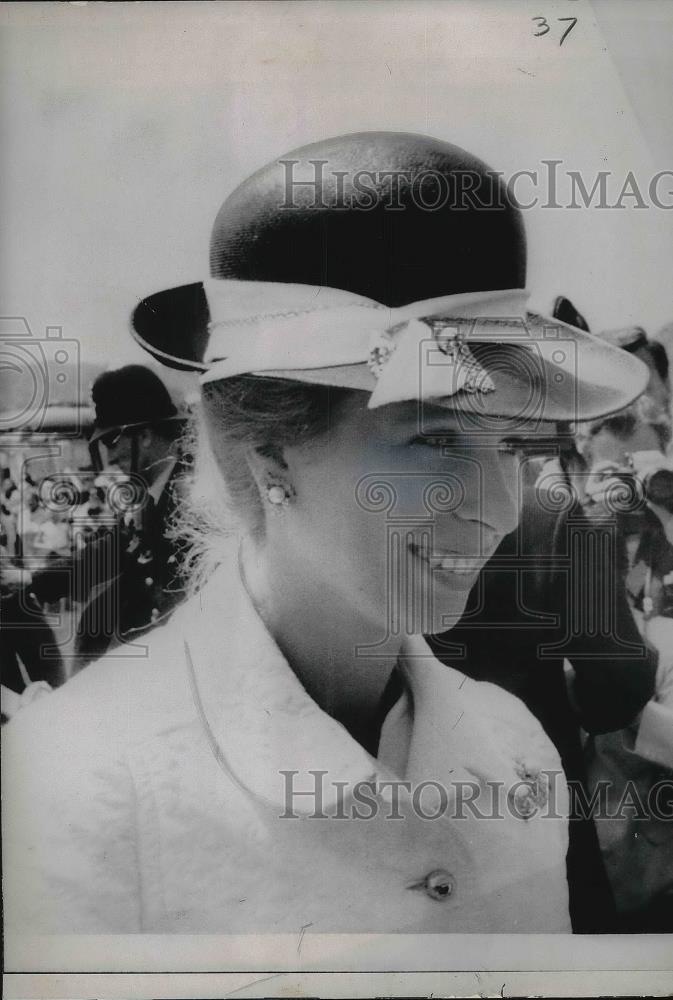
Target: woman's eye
{"type": "Point", "coordinates": [436, 440]}
{"type": "Point", "coordinates": [508, 446]}
{"type": "Point", "coordinates": [534, 447]}
{"type": "Point", "coordinates": [511, 447]}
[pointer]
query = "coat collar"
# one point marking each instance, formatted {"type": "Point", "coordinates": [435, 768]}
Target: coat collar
{"type": "Point", "coordinates": [260, 717]}
{"type": "Point", "coordinates": [261, 722]}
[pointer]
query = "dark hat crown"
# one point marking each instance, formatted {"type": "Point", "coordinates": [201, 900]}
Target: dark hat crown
{"type": "Point", "coordinates": [130, 395]}
{"type": "Point", "coordinates": [395, 217]}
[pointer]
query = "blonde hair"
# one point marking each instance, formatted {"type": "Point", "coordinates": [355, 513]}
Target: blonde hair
{"type": "Point", "coordinates": [237, 415]}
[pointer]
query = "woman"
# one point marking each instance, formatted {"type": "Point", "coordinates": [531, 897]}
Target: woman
{"type": "Point", "coordinates": [370, 377]}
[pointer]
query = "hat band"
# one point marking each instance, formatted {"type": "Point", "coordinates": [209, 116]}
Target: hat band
{"type": "Point", "coordinates": [270, 327]}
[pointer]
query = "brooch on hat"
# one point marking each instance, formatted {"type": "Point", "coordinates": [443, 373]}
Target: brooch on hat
{"type": "Point", "coordinates": [468, 375]}
{"type": "Point", "coordinates": [383, 349]}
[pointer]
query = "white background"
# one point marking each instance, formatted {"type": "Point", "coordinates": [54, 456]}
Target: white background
{"type": "Point", "coordinates": [126, 125]}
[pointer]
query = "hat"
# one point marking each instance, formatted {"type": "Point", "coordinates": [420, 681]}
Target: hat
{"type": "Point", "coordinates": [658, 486]}
{"type": "Point", "coordinates": [130, 396]}
{"type": "Point", "coordinates": [388, 262]}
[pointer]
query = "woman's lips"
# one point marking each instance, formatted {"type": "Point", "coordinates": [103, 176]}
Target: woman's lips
{"type": "Point", "coordinates": [449, 562]}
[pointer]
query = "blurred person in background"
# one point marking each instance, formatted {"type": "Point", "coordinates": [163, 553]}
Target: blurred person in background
{"type": "Point", "coordinates": [128, 576]}
{"type": "Point", "coordinates": [30, 661]}
{"type": "Point", "coordinates": [665, 338]}
{"type": "Point", "coordinates": [53, 536]}
{"type": "Point", "coordinates": [637, 846]}
{"type": "Point", "coordinates": [629, 485]}
{"type": "Point", "coordinates": [653, 353]}
{"type": "Point", "coordinates": [629, 475]}
{"type": "Point", "coordinates": [8, 490]}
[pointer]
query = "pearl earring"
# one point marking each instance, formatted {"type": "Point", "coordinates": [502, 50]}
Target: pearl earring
{"type": "Point", "coordinates": [278, 495]}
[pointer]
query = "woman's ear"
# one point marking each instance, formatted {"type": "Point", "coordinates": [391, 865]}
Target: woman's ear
{"type": "Point", "coordinates": [271, 474]}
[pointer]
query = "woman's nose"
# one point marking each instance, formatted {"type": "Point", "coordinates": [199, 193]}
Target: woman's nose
{"type": "Point", "coordinates": [492, 496]}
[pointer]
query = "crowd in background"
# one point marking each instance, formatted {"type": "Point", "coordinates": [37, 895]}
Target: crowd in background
{"type": "Point", "coordinates": [35, 531]}
{"type": "Point", "coordinates": [633, 448]}
{"type": "Point", "coordinates": [87, 559]}
{"type": "Point", "coordinates": [620, 467]}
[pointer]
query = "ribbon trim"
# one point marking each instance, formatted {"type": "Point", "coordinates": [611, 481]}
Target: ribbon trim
{"type": "Point", "coordinates": [304, 328]}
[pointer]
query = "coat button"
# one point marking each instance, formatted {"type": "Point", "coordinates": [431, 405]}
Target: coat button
{"type": "Point", "coordinates": [439, 884]}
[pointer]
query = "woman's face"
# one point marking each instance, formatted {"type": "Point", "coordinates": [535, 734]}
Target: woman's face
{"type": "Point", "coordinates": [393, 520]}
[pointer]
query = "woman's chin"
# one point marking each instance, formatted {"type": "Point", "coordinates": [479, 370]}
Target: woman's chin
{"type": "Point", "coordinates": [447, 614]}
{"type": "Point", "coordinates": [431, 617]}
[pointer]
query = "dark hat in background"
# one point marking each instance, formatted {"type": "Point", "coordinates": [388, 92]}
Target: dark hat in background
{"type": "Point", "coordinates": [658, 487]}
{"type": "Point", "coordinates": [394, 220]}
{"type": "Point", "coordinates": [629, 338]}
{"type": "Point", "coordinates": [131, 395]}
{"type": "Point", "coordinates": [652, 353]}
{"type": "Point", "coordinates": [567, 313]}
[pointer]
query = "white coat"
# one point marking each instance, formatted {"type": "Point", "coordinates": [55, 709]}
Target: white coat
{"type": "Point", "coordinates": [147, 795]}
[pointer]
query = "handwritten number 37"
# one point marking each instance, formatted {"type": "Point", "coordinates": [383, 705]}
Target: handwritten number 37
{"type": "Point", "coordinates": [545, 27]}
